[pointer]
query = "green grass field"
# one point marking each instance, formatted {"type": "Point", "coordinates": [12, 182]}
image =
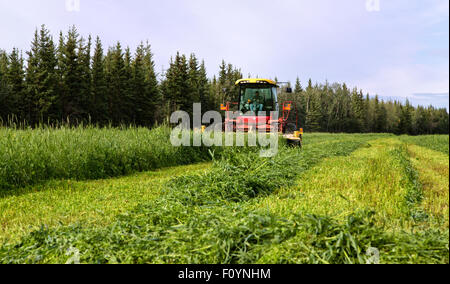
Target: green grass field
{"type": "Point", "coordinates": [111, 196]}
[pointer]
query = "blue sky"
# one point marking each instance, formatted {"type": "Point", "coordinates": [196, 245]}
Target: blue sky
{"type": "Point", "coordinates": [399, 50]}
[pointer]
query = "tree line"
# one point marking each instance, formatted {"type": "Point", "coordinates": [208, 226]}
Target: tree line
{"type": "Point", "coordinates": [77, 81]}
{"type": "Point", "coordinates": [337, 108]}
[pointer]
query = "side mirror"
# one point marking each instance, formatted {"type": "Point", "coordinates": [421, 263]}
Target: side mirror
{"type": "Point", "coordinates": [289, 90]}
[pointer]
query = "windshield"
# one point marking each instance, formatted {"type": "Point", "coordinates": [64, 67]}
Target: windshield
{"type": "Point", "coordinates": [256, 99]}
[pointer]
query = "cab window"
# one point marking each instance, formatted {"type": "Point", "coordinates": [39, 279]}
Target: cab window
{"type": "Point", "coordinates": [256, 99]}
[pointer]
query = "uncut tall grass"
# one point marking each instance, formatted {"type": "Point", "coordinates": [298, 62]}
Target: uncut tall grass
{"type": "Point", "coordinates": [34, 155]}
{"type": "Point", "coordinates": [438, 143]}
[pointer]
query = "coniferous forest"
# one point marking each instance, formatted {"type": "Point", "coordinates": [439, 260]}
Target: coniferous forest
{"type": "Point", "coordinates": [77, 80]}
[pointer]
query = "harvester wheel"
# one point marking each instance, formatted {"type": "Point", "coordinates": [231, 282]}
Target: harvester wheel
{"type": "Point", "coordinates": [294, 143]}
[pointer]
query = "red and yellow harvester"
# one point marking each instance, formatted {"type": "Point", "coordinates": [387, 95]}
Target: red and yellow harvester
{"type": "Point", "coordinates": [258, 99]}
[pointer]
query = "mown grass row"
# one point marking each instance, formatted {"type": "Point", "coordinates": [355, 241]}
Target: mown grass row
{"type": "Point", "coordinates": [357, 240]}
{"type": "Point", "coordinates": [373, 182]}
{"type": "Point", "coordinates": [93, 203]}
{"type": "Point", "coordinates": [211, 218]}
{"type": "Point", "coordinates": [371, 178]}
{"type": "Point", "coordinates": [428, 171]}
{"type": "Point", "coordinates": [198, 219]}
{"type": "Point", "coordinates": [433, 170]}
{"type": "Point", "coordinates": [32, 156]}
{"type": "Point", "coordinates": [438, 143]}
{"type": "Point", "coordinates": [414, 193]}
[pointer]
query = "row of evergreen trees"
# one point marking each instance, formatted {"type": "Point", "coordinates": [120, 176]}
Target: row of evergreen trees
{"type": "Point", "coordinates": [336, 108]}
{"type": "Point", "coordinates": [77, 81]}
{"type": "Point", "coordinates": [64, 82]}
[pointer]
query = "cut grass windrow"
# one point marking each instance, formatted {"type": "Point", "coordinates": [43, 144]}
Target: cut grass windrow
{"type": "Point", "coordinates": [170, 228]}
{"type": "Point", "coordinates": [414, 194]}
{"type": "Point", "coordinates": [222, 216]}
{"type": "Point", "coordinates": [357, 240]}
{"type": "Point", "coordinates": [93, 203]}
{"type": "Point", "coordinates": [433, 170]}
{"type": "Point", "coordinates": [368, 179]}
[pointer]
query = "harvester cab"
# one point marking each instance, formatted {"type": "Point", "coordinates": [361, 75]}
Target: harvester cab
{"type": "Point", "coordinates": [258, 99]}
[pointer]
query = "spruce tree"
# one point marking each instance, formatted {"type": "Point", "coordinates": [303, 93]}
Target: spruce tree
{"type": "Point", "coordinates": [117, 86]}
{"type": "Point", "coordinates": [193, 79]}
{"type": "Point", "coordinates": [308, 95]}
{"type": "Point", "coordinates": [41, 94]}
{"type": "Point", "coordinates": [84, 66]}
{"type": "Point", "coordinates": [312, 122]}
{"type": "Point", "coordinates": [324, 105]}
{"type": "Point", "coordinates": [128, 98]}
{"type": "Point", "coordinates": [442, 125]}
{"type": "Point", "coordinates": [153, 97]}
{"type": "Point", "coordinates": [377, 122]}
{"type": "Point", "coordinates": [183, 84]}
{"type": "Point", "coordinates": [31, 81]}
{"type": "Point", "coordinates": [420, 121]}
{"type": "Point", "coordinates": [405, 123]}
{"type": "Point", "coordinates": [300, 101]}
{"type": "Point", "coordinates": [98, 100]}
{"type": "Point", "coordinates": [298, 86]}
{"type": "Point", "coordinates": [222, 82]}
{"type": "Point", "coordinates": [139, 86]}
{"type": "Point", "coordinates": [381, 118]}
{"type": "Point", "coordinates": [368, 117]}
{"type": "Point", "coordinates": [69, 65]}
{"type": "Point", "coordinates": [358, 110]}
{"type": "Point", "coordinates": [60, 73]}
{"type": "Point", "coordinates": [145, 91]}
{"type": "Point", "coordinates": [15, 77]}
{"type": "Point", "coordinates": [48, 95]}
{"type": "Point", "coordinates": [214, 92]}
{"type": "Point", "coordinates": [203, 89]}
{"type": "Point", "coordinates": [176, 85]}
{"type": "Point", "coordinates": [5, 92]}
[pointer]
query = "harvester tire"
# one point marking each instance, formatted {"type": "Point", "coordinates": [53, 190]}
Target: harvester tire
{"type": "Point", "coordinates": [294, 143]}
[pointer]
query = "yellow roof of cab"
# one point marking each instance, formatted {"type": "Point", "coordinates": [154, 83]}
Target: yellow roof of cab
{"type": "Point", "coordinates": [256, 81]}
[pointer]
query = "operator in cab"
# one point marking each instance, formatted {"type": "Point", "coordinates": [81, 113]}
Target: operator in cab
{"type": "Point", "coordinates": [257, 103]}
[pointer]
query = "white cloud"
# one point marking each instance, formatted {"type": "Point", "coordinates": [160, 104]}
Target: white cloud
{"type": "Point", "coordinates": [405, 81]}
